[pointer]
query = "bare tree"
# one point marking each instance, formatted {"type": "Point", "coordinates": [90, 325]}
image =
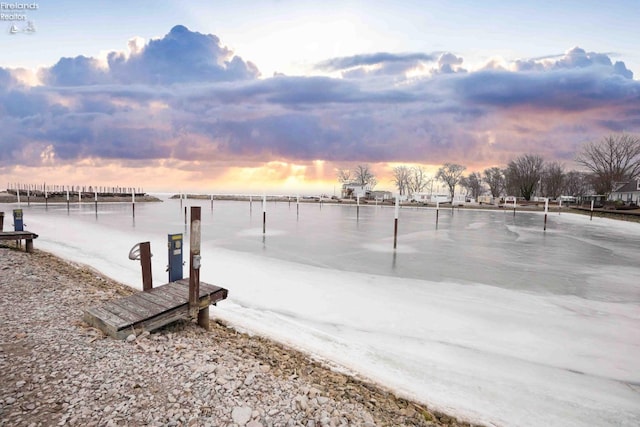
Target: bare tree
{"type": "Point", "coordinates": [553, 180]}
{"type": "Point", "coordinates": [401, 176]}
{"type": "Point", "coordinates": [364, 176]}
{"type": "Point", "coordinates": [495, 180]}
{"type": "Point", "coordinates": [523, 174]}
{"type": "Point", "coordinates": [577, 184]}
{"type": "Point", "coordinates": [450, 174]}
{"type": "Point", "coordinates": [418, 179]}
{"type": "Point", "coordinates": [344, 176]}
{"type": "Point", "coordinates": [473, 184]}
{"type": "Point", "coordinates": [615, 158]}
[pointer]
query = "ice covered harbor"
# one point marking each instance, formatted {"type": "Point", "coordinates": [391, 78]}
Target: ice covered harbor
{"type": "Point", "coordinates": [487, 316]}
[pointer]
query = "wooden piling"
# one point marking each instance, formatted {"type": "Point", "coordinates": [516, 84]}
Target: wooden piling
{"type": "Point", "coordinates": [194, 263]}
{"type": "Point", "coordinates": [264, 214]}
{"type": "Point", "coordinates": [546, 211]}
{"type": "Point", "coordinates": [395, 224]}
{"type": "Point", "coordinates": [145, 262]}
{"type": "Point", "coordinates": [203, 318]}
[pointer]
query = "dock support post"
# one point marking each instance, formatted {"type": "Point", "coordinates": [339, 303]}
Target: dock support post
{"type": "Point", "coordinates": [194, 263]}
{"type": "Point", "coordinates": [203, 318]}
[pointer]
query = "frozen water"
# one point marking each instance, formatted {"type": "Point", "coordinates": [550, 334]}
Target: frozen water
{"type": "Point", "coordinates": [486, 315]}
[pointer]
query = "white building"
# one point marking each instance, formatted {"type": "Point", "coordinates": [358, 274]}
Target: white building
{"type": "Point", "coordinates": [628, 192]}
{"type": "Point", "coordinates": [354, 190]}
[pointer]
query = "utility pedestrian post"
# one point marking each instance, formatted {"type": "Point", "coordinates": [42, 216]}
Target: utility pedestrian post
{"type": "Point", "coordinates": [28, 195]}
{"type": "Point", "coordinates": [395, 223]}
{"type": "Point", "coordinates": [67, 200]}
{"type": "Point", "coordinates": [194, 270]}
{"type": "Point", "coordinates": [437, 211]}
{"type": "Point", "coordinates": [46, 198]}
{"type": "Point", "coordinates": [546, 211]}
{"type": "Point", "coordinates": [212, 203]}
{"type": "Point", "coordinates": [514, 206]}
{"type": "Point", "coordinates": [357, 207]}
{"type": "Point", "coordinates": [297, 206]}
{"type": "Point", "coordinates": [133, 202]}
{"type": "Point", "coordinates": [96, 200]}
{"type": "Point", "coordinates": [591, 217]}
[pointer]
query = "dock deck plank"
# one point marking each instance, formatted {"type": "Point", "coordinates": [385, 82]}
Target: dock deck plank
{"type": "Point", "coordinates": [151, 309]}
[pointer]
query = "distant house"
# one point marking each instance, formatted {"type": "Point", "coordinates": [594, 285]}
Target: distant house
{"type": "Point", "coordinates": [628, 192]}
{"type": "Point", "coordinates": [379, 195]}
{"type": "Point", "coordinates": [352, 190]}
{"type": "Point", "coordinates": [430, 198]}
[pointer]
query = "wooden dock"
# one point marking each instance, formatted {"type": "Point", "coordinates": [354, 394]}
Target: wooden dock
{"type": "Point", "coordinates": [149, 310]}
{"type": "Point", "coordinates": [27, 236]}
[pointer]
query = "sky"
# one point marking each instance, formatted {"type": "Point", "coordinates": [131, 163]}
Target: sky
{"type": "Point", "coordinates": [276, 96]}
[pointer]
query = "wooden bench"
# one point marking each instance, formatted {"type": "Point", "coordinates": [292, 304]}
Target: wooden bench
{"type": "Point", "coordinates": [27, 236]}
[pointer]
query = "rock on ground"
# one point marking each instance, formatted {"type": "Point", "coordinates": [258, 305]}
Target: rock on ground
{"type": "Point", "coordinates": [56, 370]}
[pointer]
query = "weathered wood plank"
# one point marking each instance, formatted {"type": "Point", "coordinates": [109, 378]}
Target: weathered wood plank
{"type": "Point", "coordinates": [131, 306]}
{"type": "Point", "coordinates": [107, 317]}
{"type": "Point", "coordinates": [205, 288]}
{"type": "Point", "coordinates": [160, 298]}
{"type": "Point", "coordinates": [166, 293]}
{"type": "Point", "coordinates": [15, 235]}
{"type": "Point", "coordinates": [116, 308]}
{"type": "Point", "coordinates": [151, 307]}
{"type": "Point", "coordinates": [158, 321]}
{"type": "Point", "coordinates": [179, 292]}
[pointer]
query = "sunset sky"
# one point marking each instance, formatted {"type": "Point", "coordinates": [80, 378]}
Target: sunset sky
{"type": "Point", "coordinates": [274, 96]}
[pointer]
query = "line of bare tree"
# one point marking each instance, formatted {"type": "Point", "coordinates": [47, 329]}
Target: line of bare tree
{"type": "Point", "coordinates": [613, 159]}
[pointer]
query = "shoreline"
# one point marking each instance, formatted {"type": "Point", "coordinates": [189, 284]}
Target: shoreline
{"type": "Point", "coordinates": [6, 197]}
{"type": "Point", "coordinates": [58, 367]}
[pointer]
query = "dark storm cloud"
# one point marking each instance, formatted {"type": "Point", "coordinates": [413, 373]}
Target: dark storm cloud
{"type": "Point", "coordinates": [560, 89]}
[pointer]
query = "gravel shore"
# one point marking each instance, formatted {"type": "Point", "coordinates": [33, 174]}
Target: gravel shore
{"type": "Point", "coordinates": [56, 370]}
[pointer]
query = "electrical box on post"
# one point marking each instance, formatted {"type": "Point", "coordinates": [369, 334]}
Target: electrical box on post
{"type": "Point", "coordinates": [18, 224]}
{"type": "Point", "coordinates": [175, 257]}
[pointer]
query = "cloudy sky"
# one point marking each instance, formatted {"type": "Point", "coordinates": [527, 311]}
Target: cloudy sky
{"type": "Point", "coordinates": [274, 96]}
